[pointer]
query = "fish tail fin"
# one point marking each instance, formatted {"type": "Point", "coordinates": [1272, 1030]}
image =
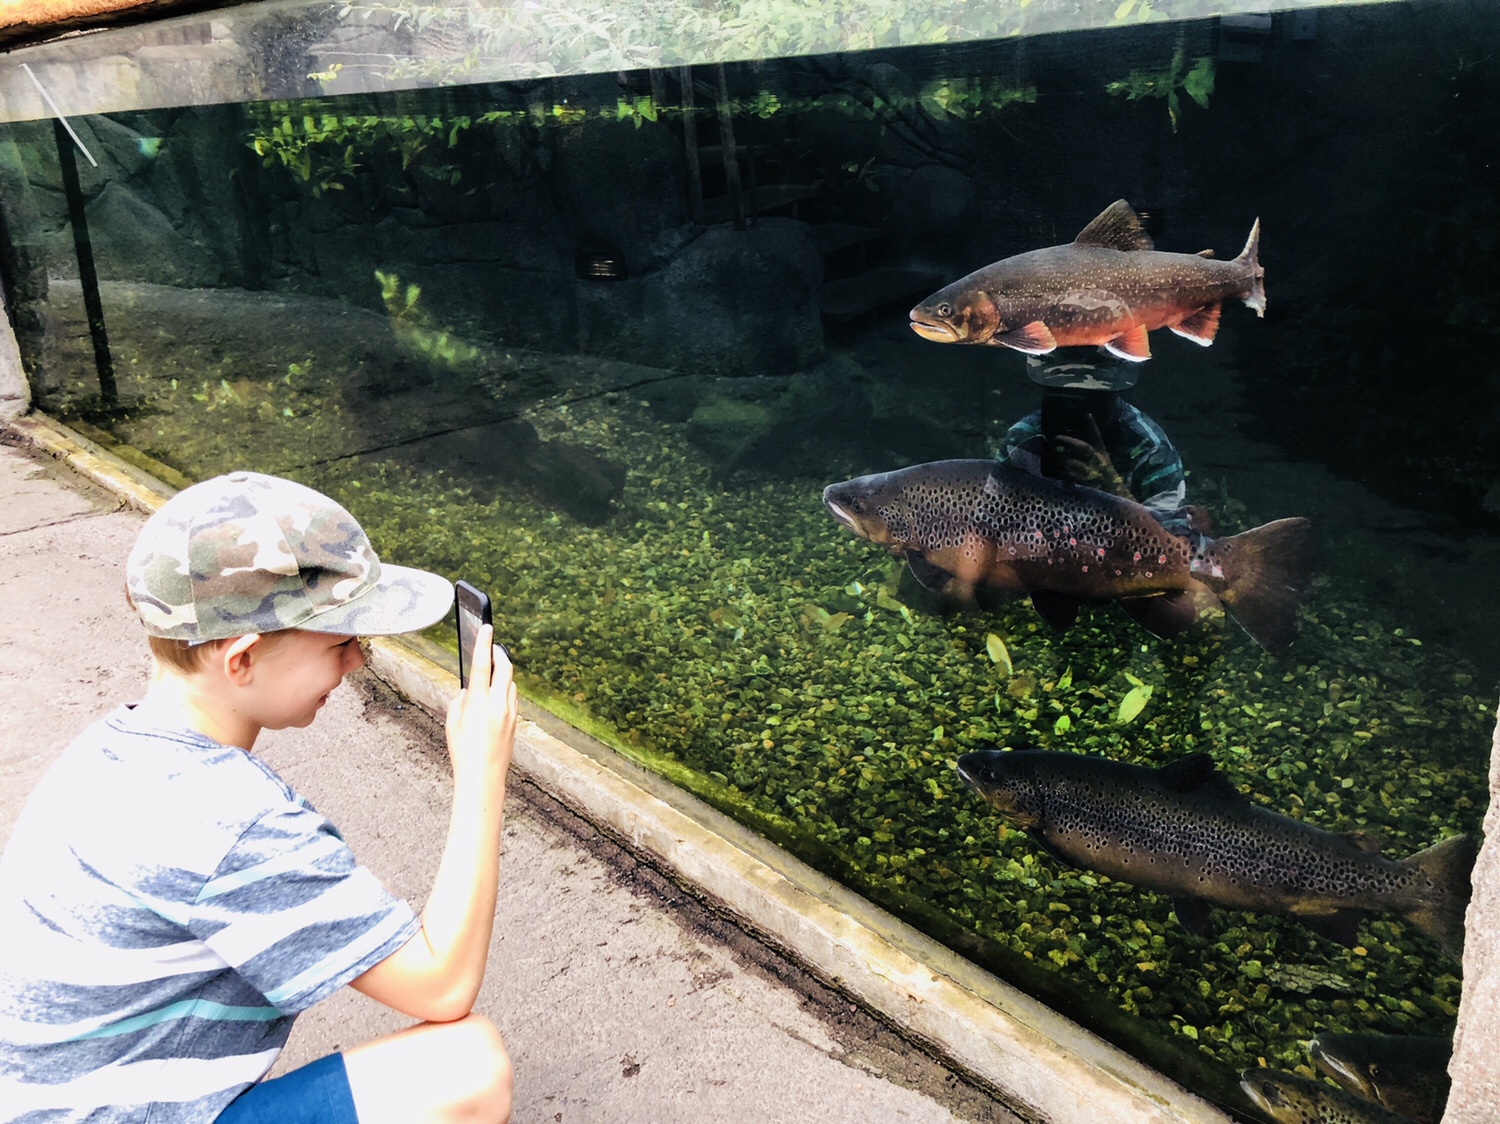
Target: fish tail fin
{"type": "Point", "coordinates": [1448, 866]}
{"type": "Point", "coordinates": [1250, 257]}
{"type": "Point", "coordinates": [1261, 576]}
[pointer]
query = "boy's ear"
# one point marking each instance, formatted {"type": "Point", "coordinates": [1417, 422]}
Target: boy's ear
{"type": "Point", "coordinates": [236, 659]}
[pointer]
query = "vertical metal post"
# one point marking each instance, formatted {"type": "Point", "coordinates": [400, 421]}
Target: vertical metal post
{"type": "Point", "coordinates": [86, 275]}
{"type": "Point", "coordinates": [690, 143]}
{"type": "Point", "coordinates": [731, 155]}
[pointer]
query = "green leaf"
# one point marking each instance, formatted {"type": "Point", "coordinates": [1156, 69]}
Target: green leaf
{"type": "Point", "coordinates": [1199, 83]}
{"type": "Point", "coordinates": [1133, 703]}
{"type": "Point", "coordinates": [1062, 725]}
{"type": "Point", "coordinates": [1124, 9]}
{"type": "Point", "coordinates": [1067, 679]}
{"type": "Point", "coordinates": [998, 653]}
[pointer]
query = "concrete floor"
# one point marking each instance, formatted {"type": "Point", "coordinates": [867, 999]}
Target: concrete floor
{"type": "Point", "coordinates": [621, 998]}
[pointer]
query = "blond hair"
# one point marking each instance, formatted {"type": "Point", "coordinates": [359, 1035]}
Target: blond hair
{"type": "Point", "coordinates": [188, 658]}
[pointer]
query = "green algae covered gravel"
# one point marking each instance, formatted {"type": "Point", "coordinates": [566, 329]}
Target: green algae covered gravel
{"type": "Point", "coordinates": [735, 639]}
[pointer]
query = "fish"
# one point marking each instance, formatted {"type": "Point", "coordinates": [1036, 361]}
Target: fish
{"type": "Point", "coordinates": [966, 525]}
{"type": "Point", "coordinates": [1185, 831]}
{"type": "Point", "coordinates": [1291, 1099]}
{"type": "Point", "coordinates": [1109, 287]}
{"type": "Point", "coordinates": [1407, 1073]}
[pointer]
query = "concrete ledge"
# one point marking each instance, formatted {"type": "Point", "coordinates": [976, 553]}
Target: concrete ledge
{"type": "Point", "coordinates": [1045, 1066]}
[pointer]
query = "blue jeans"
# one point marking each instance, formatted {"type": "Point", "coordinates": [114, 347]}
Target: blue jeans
{"type": "Point", "coordinates": [317, 1093]}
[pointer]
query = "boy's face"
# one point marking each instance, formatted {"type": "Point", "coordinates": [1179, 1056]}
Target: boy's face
{"type": "Point", "coordinates": [294, 677]}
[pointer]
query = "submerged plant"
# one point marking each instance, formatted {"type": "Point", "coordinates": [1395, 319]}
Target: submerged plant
{"type": "Point", "coordinates": [416, 331]}
{"type": "Point", "coordinates": [1196, 82]}
{"type": "Point", "coordinates": [963, 96]}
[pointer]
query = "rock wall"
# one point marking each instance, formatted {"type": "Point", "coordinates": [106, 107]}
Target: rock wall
{"type": "Point", "coordinates": [1475, 1068]}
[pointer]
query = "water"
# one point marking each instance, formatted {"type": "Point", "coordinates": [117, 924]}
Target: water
{"type": "Point", "coordinates": [394, 297]}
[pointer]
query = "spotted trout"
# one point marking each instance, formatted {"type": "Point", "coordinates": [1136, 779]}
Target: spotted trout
{"type": "Point", "coordinates": [1291, 1099]}
{"type": "Point", "coordinates": [1108, 287]}
{"type": "Point", "coordinates": [1407, 1073]}
{"type": "Point", "coordinates": [1183, 830]}
{"type": "Point", "coordinates": [963, 525]}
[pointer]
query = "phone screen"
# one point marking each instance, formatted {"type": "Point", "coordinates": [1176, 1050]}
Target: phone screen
{"type": "Point", "coordinates": [472, 607]}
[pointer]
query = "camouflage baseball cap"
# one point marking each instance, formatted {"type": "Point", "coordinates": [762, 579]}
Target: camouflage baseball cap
{"type": "Point", "coordinates": [247, 553]}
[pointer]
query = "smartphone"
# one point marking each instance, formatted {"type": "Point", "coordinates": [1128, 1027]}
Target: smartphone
{"type": "Point", "coordinates": [1065, 413]}
{"type": "Point", "coordinates": [472, 608]}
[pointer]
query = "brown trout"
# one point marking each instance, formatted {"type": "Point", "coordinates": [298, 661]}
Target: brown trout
{"type": "Point", "coordinates": [964, 525]}
{"type": "Point", "coordinates": [1108, 287]}
{"type": "Point", "coordinates": [1407, 1073]}
{"type": "Point", "coordinates": [1183, 830]}
{"type": "Point", "coordinates": [1291, 1099]}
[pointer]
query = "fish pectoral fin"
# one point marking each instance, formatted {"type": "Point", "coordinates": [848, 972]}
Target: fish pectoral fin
{"type": "Point", "coordinates": [1057, 609]}
{"type": "Point", "coordinates": [1167, 616]}
{"type": "Point", "coordinates": [1193, 915]}
{"type": "Point", "coordinates": [1341, 926]}
{"type": "Point", "coordinates": [1201, 326]}
{"type": "Point", "coordinates": [933, 577]}
{"type": "Point", "coordinates": [1030, 339]}
{"type": "Point", "coordinates": [1048, 848]}
{"type": "Point", "coordinates": [1133, 345]}
{"type": "Point", "coordinates": [1117, 227]}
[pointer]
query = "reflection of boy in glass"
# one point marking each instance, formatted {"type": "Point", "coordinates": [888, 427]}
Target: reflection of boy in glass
{"type": "Point", "coordinates": [1087, 433]}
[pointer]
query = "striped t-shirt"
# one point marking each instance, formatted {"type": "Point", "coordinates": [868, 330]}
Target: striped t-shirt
{"type": "Point", "coordinates": [167, 906]}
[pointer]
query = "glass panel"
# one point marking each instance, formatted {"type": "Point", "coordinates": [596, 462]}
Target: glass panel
{"type": "Point", "coordinates": [303, 48]}
{"type": "Point", "coordinates": [599, 343]}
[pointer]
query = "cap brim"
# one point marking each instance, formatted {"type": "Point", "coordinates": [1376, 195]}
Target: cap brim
{"type": "Point", "coordinates": [403, 600]}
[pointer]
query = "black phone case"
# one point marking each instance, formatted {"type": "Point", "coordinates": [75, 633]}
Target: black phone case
{"type": "Point", "coordinates": [477, 604]}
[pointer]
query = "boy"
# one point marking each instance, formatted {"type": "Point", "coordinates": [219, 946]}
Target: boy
{"type": "Point", "coordinates": [169, 905]}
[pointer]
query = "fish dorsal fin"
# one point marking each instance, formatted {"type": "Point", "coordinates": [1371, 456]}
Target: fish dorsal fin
{"type": "Point", "coordinates": [1118, 227]}
{"type": "Point", "coordinates": [1196, 773]}
{"type": "Point", "coordinates": [1199, 519]}
{"type": "Point", "coordinates": [1027, 456]}
{"type": "Point", "coordinates": [1205, 253]}
{"type": "Point", "coordinates": [1133, 345]}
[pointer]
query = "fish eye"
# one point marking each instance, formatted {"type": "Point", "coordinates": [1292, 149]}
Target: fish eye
{"type": "Point", "coordinates": [944, 309]}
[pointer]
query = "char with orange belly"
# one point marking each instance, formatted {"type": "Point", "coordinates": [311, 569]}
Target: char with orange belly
{"type": "Point", "coordinates": [1107, 288]}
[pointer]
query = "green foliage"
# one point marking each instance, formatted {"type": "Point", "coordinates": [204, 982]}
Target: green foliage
{"type": "Point", "coordinates": [320, 148]}
{"type": "Point", "coordinates": [1134, 702]}
{"type": "Point", "coordinates": [417, 333]}
{"type": "Point", "coordinates": [549, 37]}
{"type": "Point", "coordinates": [325, 150]}
{"type": "Point", "coordinates": [1197, 82]}
{"type": "Point", "coordinates": [972, 97]}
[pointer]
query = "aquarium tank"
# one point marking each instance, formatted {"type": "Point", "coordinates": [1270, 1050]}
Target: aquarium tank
{"type": "Point", "coordinates": [1038, 463]}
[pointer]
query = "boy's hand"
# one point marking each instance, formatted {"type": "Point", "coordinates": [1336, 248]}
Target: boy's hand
{"type": "Point", "coordinates": [481, 722]}
{"type": "Point", "coordinates": [436, 975]}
